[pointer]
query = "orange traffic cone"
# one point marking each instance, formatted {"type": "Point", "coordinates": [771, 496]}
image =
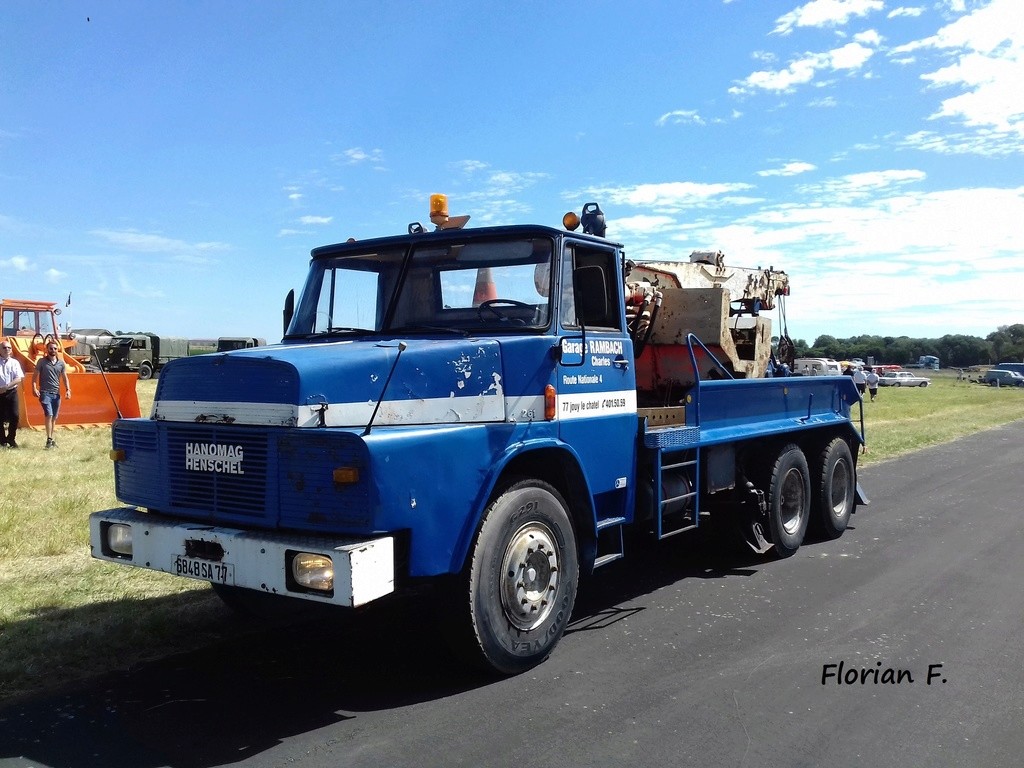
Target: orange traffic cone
{"type": "Point", "coordinates": [485, 290]}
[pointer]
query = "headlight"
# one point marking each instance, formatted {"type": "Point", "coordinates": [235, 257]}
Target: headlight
{"type": "Point", "coordinates": [313, 571]}
{"type": "Point", "coordinates": [119, 539]}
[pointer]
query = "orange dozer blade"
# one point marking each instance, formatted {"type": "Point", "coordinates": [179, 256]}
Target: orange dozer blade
{"type": "Point", "coordinates": [96, 400]}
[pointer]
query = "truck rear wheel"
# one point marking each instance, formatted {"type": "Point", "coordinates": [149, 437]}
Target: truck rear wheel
{"type": "Point", "coordinates": [789, 500]}
{"type": "Point", "coordinates": [522, 578]}
{"type": "Point", "coordinates": [832, 496]}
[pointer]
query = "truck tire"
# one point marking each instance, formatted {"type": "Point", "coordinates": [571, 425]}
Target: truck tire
{"type": "Point", "coordinates": [832, 494]}
{"type": "Point", "coordinates": [789, 500]}
{"type": "Point", "coordinates": [145, 371]}
{"type": "Point", "coordinates": [522, 578]}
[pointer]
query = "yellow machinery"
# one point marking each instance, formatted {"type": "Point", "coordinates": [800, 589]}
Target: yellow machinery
{"type": "Point", "coordinates": [97, 398]}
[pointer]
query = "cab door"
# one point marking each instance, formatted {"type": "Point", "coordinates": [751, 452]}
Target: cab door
{"type": "Point", "coordinates": [596, 380]}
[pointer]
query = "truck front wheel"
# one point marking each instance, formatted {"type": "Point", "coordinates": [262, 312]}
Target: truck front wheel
{"type": "Point", "coordinates": [789, 500]}
{"type": "Point", "coordinates": [145, 371]}
{"type": "Point", "coordinates": [522, 578]}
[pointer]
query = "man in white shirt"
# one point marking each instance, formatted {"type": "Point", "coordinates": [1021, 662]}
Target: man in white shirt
{"type": "Point", "coordinates": [861, 380]}
{"type": "Point", "coordinates": [11, 377]}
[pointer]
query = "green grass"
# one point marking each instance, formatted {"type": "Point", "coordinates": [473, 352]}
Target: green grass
{"type": "Point", "coordinates": [903, 420]}
{"type": "Point", "coordinates": [64, 615]}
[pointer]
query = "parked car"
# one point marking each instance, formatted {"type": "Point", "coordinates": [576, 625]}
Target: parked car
{"type": "Point", "coordinates": [1015, 367]}
{"type": "Point", "coordinates": [816, 366]}
{"type": "Point", "coordinates": [903, 379]}
{"type": "Point", "coordinates": [997, 377]}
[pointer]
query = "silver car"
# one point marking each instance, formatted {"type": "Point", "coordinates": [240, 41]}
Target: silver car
{"type": "Point", "coordinates": [903, 379]}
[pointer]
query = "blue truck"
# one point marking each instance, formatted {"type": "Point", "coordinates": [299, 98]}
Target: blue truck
{"type": "Point", "coordinates": [489, 411]}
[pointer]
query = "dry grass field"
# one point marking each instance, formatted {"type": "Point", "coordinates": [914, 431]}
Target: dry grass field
{"type": "Point", "coordinates": [65, 616]}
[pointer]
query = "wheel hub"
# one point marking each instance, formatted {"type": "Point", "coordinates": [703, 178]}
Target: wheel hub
{"type": "Point", "coordinates": [791, 506]}
{"type": "Point", "coordinates": [529, 576]}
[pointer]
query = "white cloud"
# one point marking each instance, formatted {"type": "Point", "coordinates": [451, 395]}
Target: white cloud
{"type": "Point", "coordinates": [680, 117]}
{"type": "Point", "coordinates": [17, 263]}
{"type": "Point", "coordinates": [987, 49]}
{"type": "Point", "coordinates": [850, 56]}
{"type": "Point", "coordinates": [859, 185]}
{"type": "Point", "coordinates": [140, 242]}
{"type": "Point", "coordinates": [470, 166]}
{"type": "Point", "coordinates": [357, 155]}
{"type": "Point", "coordinates": [825, 13]}
{"type": "Point", "coordinates": [801, 71]}
{"type": "Point", "coordinates": [133, 287]}
{"type": "Point", "coordinates": [869, 37]}
{"type": "Point", "coordinates": [911, 263]}
{"type": "Point", "coordinates": [316, 219]}
{"type": "Point", "coordinates": [789, 169]}
{"type": "Point", "coordinates": [55, 275]}
{"type": "Point", "coordinates": [627, 227]}
{"type": "Point", "coordinates": [670, 196]}
{"type": "Point", "coordinates": [509, 181]}
{"type": "Point", "coordinates": [905, 11]}
{"type": "Point", "coordinates": [179, 250]}
{"type": "Point", "coordinates": [982, 141]}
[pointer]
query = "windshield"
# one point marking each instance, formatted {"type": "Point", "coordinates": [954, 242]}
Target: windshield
{"type": "Point", "coordinates": [463, 287]}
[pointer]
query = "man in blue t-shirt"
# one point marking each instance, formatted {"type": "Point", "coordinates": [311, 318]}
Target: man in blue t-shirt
{"type": "Point", "coordinates": [46, 386]}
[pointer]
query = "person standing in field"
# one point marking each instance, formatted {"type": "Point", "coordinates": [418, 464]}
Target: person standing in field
{"type": "Point", "coordinates": [872, 382]}
{"type": "Point", "coordinates": [50, 371]}
{"type": "Point", "coordinates": [861, 380]}
{"type": "Point", "coordinates": [11, 376]}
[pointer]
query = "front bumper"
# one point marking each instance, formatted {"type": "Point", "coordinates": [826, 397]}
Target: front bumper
{"type": "Point", "coordinates": [364, 569]}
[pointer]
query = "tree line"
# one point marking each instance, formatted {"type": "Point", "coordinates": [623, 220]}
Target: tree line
{"type": "Point", "coordinates": [953, 350]}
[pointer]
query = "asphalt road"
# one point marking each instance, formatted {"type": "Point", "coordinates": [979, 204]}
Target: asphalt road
{"type": "Point", "coordinates": [676, 657]}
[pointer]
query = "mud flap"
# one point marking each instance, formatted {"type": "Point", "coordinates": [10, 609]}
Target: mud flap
{"type": "Point", "coordinates": [749, 523]}
{"type": "Point", "coordinates": [753, 535]}
{"type": "Point", "coordinates": [862, 498]}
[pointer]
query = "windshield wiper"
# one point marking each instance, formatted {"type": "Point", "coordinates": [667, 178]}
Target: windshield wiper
{"type": "Point", "coordinates": [436, 328]}
{"type": "Point", "coordinates": [341, 329]}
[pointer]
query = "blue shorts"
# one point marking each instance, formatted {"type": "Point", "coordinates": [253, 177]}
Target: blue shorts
{"type": "Point", "coordinates": [51, 403]}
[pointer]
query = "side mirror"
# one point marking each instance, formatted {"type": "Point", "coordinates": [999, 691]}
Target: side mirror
{"type": "Point", "coordinates": [289, 310]}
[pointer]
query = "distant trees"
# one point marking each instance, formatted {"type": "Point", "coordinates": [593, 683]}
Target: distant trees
{"type": "Point", "coordinates": [1007, 343]}
{"type": "Point", "coordinates": [954, 350]}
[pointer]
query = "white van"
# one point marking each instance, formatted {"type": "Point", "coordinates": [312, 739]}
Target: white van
{"type": "Point", "coordinates": [816, 366]}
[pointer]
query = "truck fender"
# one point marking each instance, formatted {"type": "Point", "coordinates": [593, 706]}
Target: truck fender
{"type": "Point", "coordinates": [546, 459]}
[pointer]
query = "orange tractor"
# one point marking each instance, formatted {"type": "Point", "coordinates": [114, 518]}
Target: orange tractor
{"type": "Point", "coordinates": [97, 398]}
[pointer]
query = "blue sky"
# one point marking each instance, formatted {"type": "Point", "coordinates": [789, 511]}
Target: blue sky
{"type": "Point", "coordinates": [170, 165]}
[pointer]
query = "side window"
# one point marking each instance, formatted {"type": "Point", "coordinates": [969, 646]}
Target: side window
{"type": "Point", "coordinates": [590, 288]}
{"type": "Point", "coordinates": [351, 302]}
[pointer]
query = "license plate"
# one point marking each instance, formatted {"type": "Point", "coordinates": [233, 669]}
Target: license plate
{"type": "Point", "coordinates": [222, 573]}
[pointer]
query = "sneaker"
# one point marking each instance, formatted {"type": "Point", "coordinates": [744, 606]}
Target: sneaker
{"type": "Point", "coordinates": [50, 444]}
{"type": "Point", "coordinates": [12, 444]}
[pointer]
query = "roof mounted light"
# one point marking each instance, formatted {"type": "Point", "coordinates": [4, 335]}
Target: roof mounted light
{"type": "Point", "coordinates": [439, 214]}
{"type": "Point", "coordinates": [571, 221]}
